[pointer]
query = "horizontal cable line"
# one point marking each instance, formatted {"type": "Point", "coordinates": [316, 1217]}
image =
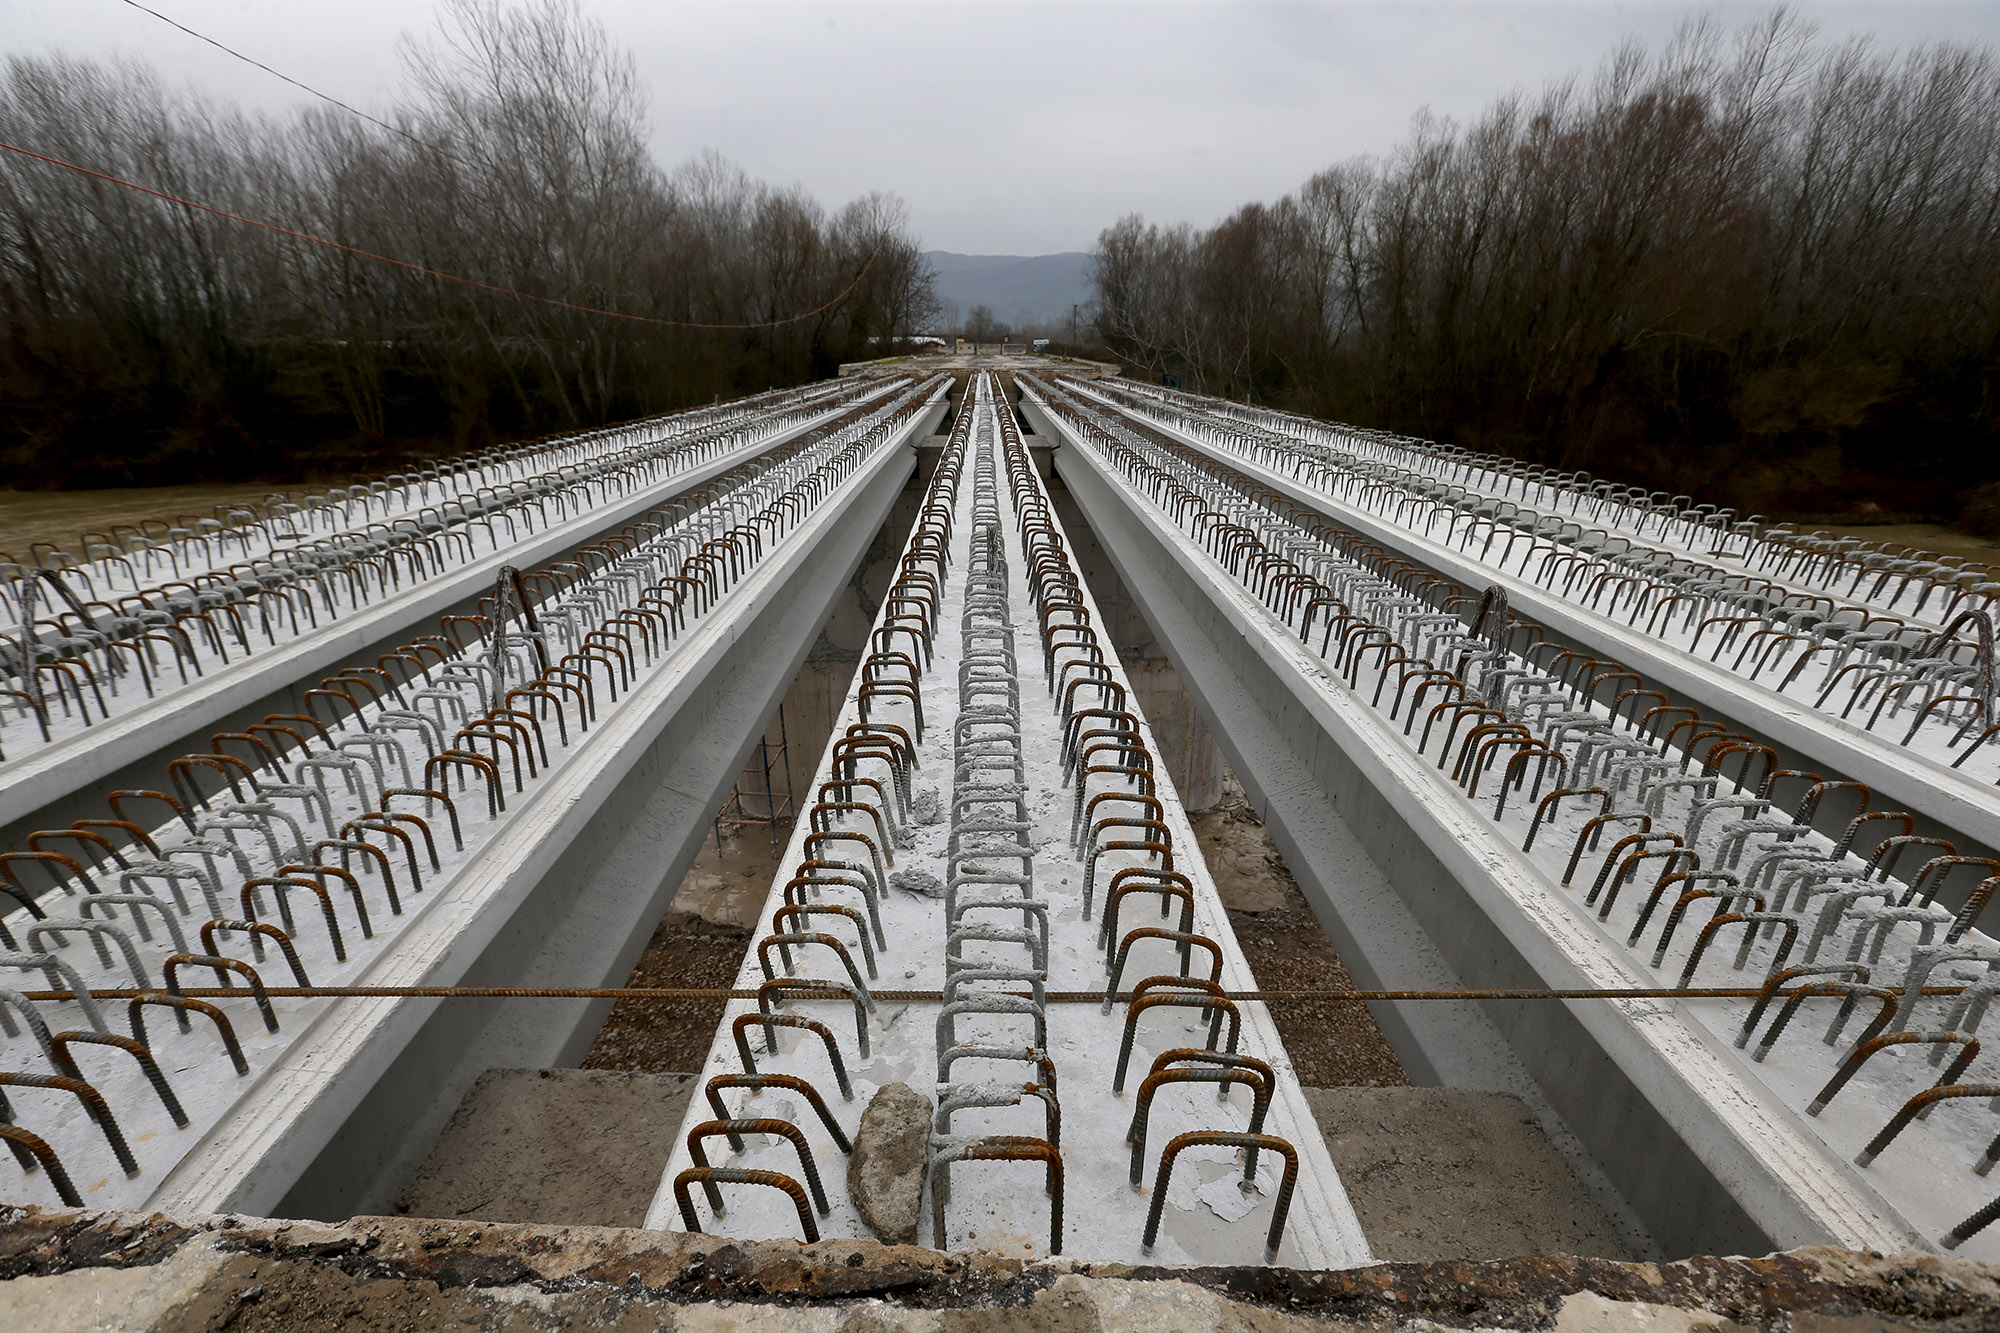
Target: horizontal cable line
{"type": "Point", "coordinates": [921, 996]}
{"type": "Point", "coordinates": [277, 74]}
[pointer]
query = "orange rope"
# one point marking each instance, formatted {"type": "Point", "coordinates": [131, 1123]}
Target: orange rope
{"type": "Point", "coordinates": [450, 277]}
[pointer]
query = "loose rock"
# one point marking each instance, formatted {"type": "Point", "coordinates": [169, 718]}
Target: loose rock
{"type": "Point", "coordinates": [885, 1175]}
{"type": "Point", "coordinates": [919, 882]}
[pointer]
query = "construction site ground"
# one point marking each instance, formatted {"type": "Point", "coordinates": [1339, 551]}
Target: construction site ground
{"type": "Point", "coordinates": [61, 517]}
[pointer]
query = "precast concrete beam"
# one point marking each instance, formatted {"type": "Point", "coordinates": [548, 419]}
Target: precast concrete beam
{"type": "Point", "coordinates": [580, 799]}
{"type": "Point", "coordinates": [1708, 1162]}
{"type": "Point", "coordinates": [1103, 1216]}
{"type": "Point", "coordinates": [1376, 935]}
{"type": "Point", "coordinates": [1966, 810]}
{"type": "Point", "coordinates": [567, 894]}
{"type": "Point", "coordinates": [52, 785]}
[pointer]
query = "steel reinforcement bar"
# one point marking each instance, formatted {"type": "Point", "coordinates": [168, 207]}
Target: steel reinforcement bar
{"type": "Point", "coordinates": [1584, 836]}
{"type": "Point", "coordinates": [501, 799]}
{"type": "Point", "coordinates": [993, 827]}
{"type": "Point", "coordinates": [127, 671]}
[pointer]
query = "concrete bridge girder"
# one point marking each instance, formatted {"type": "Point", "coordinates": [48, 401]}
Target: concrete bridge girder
{"type": "Point", "coordinates": [50, 786]}
{"type": "Point", "coordinates": [1945, 802]}
{"type": "Point", "coordinates": [563, 888]}
{"type": "Point", "coordinates": [1415, 895]}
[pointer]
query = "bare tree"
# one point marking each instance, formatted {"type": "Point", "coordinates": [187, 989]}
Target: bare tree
{"type": "Point", "coordinates": [140, 340]}
{"type": "Point", "coordinates": [1747, 262]}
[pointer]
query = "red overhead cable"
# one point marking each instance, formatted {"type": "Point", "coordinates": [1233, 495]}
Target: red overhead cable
{"type": "Point", "coordinates": [450, 277]}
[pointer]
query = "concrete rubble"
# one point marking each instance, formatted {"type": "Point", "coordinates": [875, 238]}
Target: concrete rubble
{"type": "Point", "coordinates": [63, 1270]}
{"type": "Point", "coordinates": [886, 1173]}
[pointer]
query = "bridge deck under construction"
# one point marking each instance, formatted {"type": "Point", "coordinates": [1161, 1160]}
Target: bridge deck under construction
{"type": "Point", "coordinates": [1703, 810]}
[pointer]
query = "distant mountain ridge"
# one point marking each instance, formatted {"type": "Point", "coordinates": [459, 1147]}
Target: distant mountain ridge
{"type": "Point", "coordinates": [1020, 289]}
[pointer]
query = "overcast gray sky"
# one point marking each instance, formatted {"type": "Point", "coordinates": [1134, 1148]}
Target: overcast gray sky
{"type": "Point", "coordinates": [1010, 127]}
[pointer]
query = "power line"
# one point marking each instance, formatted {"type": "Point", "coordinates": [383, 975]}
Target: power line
{"type": "Point", "coordinates": [452, 277]}
{"type": "Point", "coordinates": [303, 87]}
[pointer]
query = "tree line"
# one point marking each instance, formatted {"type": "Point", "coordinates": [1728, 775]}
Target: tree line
{"type": "Point", "coordinates": [142, 341]}
{"type": "Point", "coordinates": [1752, 265]}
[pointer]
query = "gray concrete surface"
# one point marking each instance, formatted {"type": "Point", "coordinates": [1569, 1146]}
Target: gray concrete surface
{"type": "Point", "coordinates": [570, 1147]}
{"type": "Point", "coordinates": [1455, 1173]}
{"type": "Point", "coordinates": [63, 1270]}
{"type": "Point", "coordinates": [50, 786]}
{"type": "Point", "coordinates": [585, 879]}
{"type": "Point", "coordinates": [1411, 903]}
{"type": "Point", "coordinates": [1945, 803]}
